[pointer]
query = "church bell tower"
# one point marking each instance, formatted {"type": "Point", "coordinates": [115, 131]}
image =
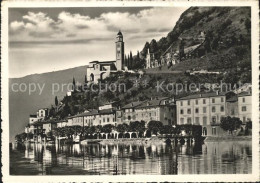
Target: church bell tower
{"type": "Point", "coordinates": [119, 51]}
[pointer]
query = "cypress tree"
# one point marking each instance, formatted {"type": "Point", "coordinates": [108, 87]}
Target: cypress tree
{"type": "Point", "coordinates": [56, 101]}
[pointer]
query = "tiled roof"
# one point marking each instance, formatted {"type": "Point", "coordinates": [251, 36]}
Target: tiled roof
{"type": "Point", "coordinates": [132, 105]}
{"type": "Point", "coordinates": [202, 95]}
{"type": "Point", "coordinates": [152, 103]}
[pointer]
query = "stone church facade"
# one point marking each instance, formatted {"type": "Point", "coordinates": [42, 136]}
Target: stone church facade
{"type": "Point", "coordinates": [97, 71]}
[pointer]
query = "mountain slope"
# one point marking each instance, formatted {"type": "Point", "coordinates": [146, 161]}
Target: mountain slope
{"type": "Point", "coordinates": [227, 43]}
{"type": "Point", "coordinates": [21, 104]}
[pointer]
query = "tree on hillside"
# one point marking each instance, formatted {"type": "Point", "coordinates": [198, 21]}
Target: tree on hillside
{"type": "Point", "coordinates": [138, 55]}
{"type": "Point", "coordinates": [131, 60]}
{"type": "Point", "coordinates": [128, 61]}
{"type": "Point", "coordinates": [56, 101]}
{"type": "Point", "coordinates": [125, 61]}
{"type": "Point", "coordinates": [74, 84]}
{"type": "Point", "coordinates": [181, 49]}
{"type": "Point", "coordinates": [153, 46]}
{"type": "Point", "coordinates": [230, 123]}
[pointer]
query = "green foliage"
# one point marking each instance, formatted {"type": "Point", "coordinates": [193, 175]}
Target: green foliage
{"type": "Point", "coordinates": [56, 101]}
{"type": "Point", "coordinates": [155, 126]}
{"type": "Point", "coordinates": [137, 126]}
{"type": "Point", "coordinates": [122, 128]}
{"type": "Point", "coordinates": [230, 123]}
{"type": "Point", "coordinates": [21, 137]}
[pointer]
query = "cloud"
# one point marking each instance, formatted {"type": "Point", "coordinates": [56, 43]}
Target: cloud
{"type": "Point", "coordinates": [67, 27]}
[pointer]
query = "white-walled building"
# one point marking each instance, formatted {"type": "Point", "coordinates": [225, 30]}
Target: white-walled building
{"type": "Point", "coordinates": [204, 109]}
{"type": "Point", "coordinates": [245, 106]}
{"type": "Point", "coordinates": [158, 109]}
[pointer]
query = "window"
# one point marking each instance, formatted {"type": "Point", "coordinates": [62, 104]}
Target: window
{"type": "Point", "coordinates": [213, 109]}
{"type": "Point", "coordinates": [222, 99]}
{"type": "Point", "coordinates": [243, 108]}
{"type": "Point", "coordinates": [196, 101]}
{"type": "Point", "coordinates": [204, 109]}
{"type": "Point", "coordinates": [150, 114]}
{"type": "Point", "coordinates": [181, 111]}
{"type": "Point", "coordinates": [205, 120]}
{"type": "Point", "coordinates": [129, 117]}
{"type": "Point", "coordinates": [222, 108]}
{"type": "Point", "coordinates": [197, 110]}
{"type": "Point", "coordinates": [188, 102]}
{"type": "Point", "coordinates": [189, 120]}
{"type": "Point", "coordinates": [213, 119]}
{"type": "Point", "coordinates": [213, 100]}
{"type": "Point", "coordinates": [214, 131]}
{"type": "Point", "coordinates": [108, 120]}
{"type": "Point", "coordinates": [182, 121]}
{"type": "Point", "coordinates": [204, 101]}
{"type": "Point", "coordinates": [197, 120]}
{"type": "Point", "coordinates": [181, 103]}
{"type": "Point", "coordinates": [104, 120]}
{"type": "Point", "coordinates": [244, 119]}
{"type": "Point", "coordinates": [188, 111]}
{"type": "Point", "coordinates": [232, 111]}
{"type": "Point", "coordinates": [244, 100]}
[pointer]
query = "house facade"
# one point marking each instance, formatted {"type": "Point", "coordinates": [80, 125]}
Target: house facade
{"type": "Point", "coordinates": [158, 109]}
{"type": "Point", "coordinates": [205, 109]}
{"type": "Point", "coordinates": [42, 113]}
{"type": "Point", "coordinates": [129, 112]}
{"type": "Point", "coordinates": [245, 106]}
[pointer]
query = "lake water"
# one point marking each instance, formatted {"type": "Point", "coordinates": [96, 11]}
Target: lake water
{"type": "Point", "coordinates": [233, 157]}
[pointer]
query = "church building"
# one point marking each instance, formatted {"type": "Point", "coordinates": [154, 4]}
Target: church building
{"type": "Point", "coordinates": [97, 71]}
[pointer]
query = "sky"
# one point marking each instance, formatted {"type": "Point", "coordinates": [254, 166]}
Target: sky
{"type": "Point", "coordinates": [49, 39]}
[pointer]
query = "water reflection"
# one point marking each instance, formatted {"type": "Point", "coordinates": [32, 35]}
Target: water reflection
{"type": "Point", "coordinates": [208, 158]}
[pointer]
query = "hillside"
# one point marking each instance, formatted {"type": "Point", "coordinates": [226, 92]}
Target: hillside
{"type": "Point", "coordinates": [227, 44]}
{"type": "Point", "coordinates": [21, 104]}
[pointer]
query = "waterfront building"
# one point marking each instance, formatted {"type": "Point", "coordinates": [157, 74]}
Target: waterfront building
{"type": "Point", "coordinates": [245, 106]}
{"type": "Point", "coordinates": [157, 109]}
{"type": "Point", "coordinates": [62, 123]}
{"type": "Point", "coordinates": [205, 109]}
{"type": "Point", "coordinates": [97, 71]}
{"type": "Point", "coordinates": [129, 112]}
{"type": "Point", "coordinates": [48, 126]}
